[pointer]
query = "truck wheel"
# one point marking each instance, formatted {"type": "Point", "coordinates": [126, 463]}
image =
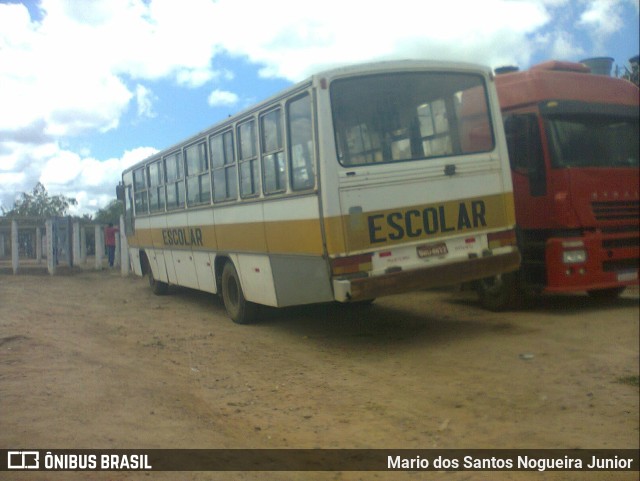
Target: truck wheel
{"type": "Point", "coordinates": [159, 288]}
{"type": "Point", "coordinates": [606, 294]}
{"type": "Point", "coordinates": [238, 308]}
{"type": "Point", "coordinates": [498, 293]}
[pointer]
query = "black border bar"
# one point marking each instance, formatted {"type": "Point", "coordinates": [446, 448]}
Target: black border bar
{"type": "Point", "coordinates": [22, 459]}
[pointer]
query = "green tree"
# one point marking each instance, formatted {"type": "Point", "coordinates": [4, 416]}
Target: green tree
{"type": "Point", "coordinates": [38, 203]}
{"type": "Point", "coordinates": [110, 214]}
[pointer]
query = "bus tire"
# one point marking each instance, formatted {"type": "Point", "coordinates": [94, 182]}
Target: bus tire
{"type": "Point", "coordinates": [499, 293]}
{"type": "Point", "coordinates": [159, 288]}
{"type": "Point", "coordinates": [238, 308]}
{"type": "Point", "coordinates": [606, 294]}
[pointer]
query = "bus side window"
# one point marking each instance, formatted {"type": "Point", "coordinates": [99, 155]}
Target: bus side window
{"type": "Point", "coordinates": [273, 163]}
{"type": "Point", "coordinates": [525, 150]}
{"type": "Point", "coordinates": [223, 167]}
{"type": "Point", "coordinates": [156, 187]}
{"type": "Point", "coordinates": [140, 189]}
{"type": "Point", "coordinates": [174, 175]}
{"type": "Point", "coordinates": [248, 159]}
{"type": "Point", "coordinates": [198, 183]}
{"type": "Point", "coordinates": [301, 149]}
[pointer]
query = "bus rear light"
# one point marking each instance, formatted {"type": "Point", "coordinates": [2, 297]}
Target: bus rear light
{"type": "Point", "coordinates": [503, 238]}
{"type": "Point", "coordinates": [351, 264]}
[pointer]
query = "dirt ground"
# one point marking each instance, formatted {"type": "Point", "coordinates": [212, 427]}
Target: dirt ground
{"type": "Point", "coordinates": [95, 360]}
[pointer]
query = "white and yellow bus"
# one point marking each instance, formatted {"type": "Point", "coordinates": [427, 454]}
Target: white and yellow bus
{"type": "Point", "coordinates": [360, 182]}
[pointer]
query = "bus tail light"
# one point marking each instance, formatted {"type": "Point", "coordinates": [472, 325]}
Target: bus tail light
{"type": "Point", "coordinates": [504, 238]}
{"type": "Point", "coordinates": [351, 264]}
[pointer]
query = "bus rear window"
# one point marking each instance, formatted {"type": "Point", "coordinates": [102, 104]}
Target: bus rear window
{"type": "Point", "coordinates": [410, 116]}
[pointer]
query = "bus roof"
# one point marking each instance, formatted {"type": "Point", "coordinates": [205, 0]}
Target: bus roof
{"type": "Point", "coordinates": [554, 80]}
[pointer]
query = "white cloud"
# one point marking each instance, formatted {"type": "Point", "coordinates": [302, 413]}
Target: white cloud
{"type": "Point", "coordinates": [64, 172]}
{"type": "Point", "coordinates": [219, 98]}
{"type": "Point", "coordinates": [51, 77]}
{"type": "Point", "coordinates": [600, 19]}
{"type": "Point", "coordinates": [308, 38]}
{"type": "Point", "coordinates": [145, 99]}
{"type": "Point", "coordinates": [61, 169]}
{"type": "Point", "coordinates": [199, 76]}
{"type": "Point", "coordinates": [67, 71]}
{"type": "Point", "coordinates": [84, 64]}
{"type": "Point", "coordinates": [563, 46]}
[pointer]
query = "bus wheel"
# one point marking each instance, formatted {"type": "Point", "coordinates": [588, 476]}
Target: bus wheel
{"type": "Point", "coordinates": [159, 288]}
{"type": "Point", "coordinates": [498, 293]}
{"type": "Point", "coordinates": [606, 294]}
{"type": "Point", "coordinates": [238, 308]}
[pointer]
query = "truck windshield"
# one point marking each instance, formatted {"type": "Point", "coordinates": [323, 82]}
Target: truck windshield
{"type": "Point", "coordinates": [593, 141]}
{"type": "Point", "coordinates": [410, 116]}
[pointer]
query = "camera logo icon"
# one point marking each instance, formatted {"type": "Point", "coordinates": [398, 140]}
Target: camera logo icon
{"type": "Point", "coordinates": [23, 460]}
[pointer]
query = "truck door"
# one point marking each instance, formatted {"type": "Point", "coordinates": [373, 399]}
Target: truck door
{"type": "Point", "coordinates": [528, 168]}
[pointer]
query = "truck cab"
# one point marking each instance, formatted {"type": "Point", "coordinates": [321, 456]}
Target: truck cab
{"type": "Point", "coordinates": [572, 138]}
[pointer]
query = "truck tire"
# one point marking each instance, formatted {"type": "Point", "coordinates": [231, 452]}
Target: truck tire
{"type": "Point", "coordinates": [238, 308]}
{"type": "Point", "coordinates": [499, 293]}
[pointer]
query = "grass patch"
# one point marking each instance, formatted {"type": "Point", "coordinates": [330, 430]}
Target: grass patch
{"type": "Point", "coordinates": [629, 380]}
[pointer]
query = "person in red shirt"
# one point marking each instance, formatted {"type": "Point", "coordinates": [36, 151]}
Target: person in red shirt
{"type": "Point", "coordinates": [110, 241]}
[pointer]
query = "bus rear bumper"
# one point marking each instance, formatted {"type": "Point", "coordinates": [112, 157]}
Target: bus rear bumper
{"type": "Point", "coordinates": [346, 290]}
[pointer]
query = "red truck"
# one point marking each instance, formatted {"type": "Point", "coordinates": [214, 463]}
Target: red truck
{"type": "Point", "coordinates": [573, 146]}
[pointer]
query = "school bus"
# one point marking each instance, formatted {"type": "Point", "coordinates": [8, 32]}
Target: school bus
{"type": "Point", "coordinates": [573, 143]}
{"type": "Point", "coordinates": [360, 182]}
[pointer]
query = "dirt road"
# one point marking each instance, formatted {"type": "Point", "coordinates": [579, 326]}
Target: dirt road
{"type": "Point", "coordinates": [95, 360]}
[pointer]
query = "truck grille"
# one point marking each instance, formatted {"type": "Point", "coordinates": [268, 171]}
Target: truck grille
{"type": "Point", "coordinates": [616, 210]}
{"type": "Point", "coordinates": [620, 265]}
{"type": "Point", "coordinates": [621, 243]}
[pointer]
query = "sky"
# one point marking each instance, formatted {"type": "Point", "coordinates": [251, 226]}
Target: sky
{"type": "Point", "coordinates": [90, 87]}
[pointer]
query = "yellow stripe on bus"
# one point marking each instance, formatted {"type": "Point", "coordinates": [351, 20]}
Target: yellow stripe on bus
{"type": "Point", "coordinates": [344, 234]}
{"type": "Point", "coordinates": [279, 237]}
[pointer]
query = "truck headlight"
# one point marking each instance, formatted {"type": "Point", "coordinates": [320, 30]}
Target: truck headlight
{"type": "Point", "coordinates": [574, 257]}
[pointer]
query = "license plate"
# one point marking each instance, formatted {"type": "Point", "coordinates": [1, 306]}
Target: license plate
{"type": "Point", "coordinates": [627, 276]}
{"type": "Point", "coordinates": [430, 250]}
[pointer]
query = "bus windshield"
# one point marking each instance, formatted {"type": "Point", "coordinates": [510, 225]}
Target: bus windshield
{"type": "Point", "coordinates": [593, 141]}
{"type": "Point", "coordinates": [410, 116]}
